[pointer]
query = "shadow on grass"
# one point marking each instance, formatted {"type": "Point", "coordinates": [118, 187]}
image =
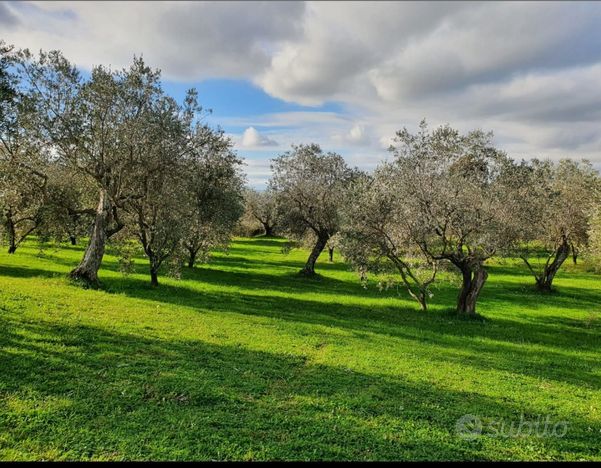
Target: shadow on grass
{"type": "Point", "coordinates": [88, 392]}
{"type": "Point", "coordinates": [500, 343]}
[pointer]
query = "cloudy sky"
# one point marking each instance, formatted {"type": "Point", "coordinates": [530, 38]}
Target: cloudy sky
{"type": "Point", "coordinates": [348, 75]}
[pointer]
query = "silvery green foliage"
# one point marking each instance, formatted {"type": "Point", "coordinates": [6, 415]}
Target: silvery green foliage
{"type": "Point", "coordinates": [555, 213]}
{"type": "Point", "coordinates": [457, 192]}
{"type": "Point", "coordinates": [215, 185]}
{"type": "Point", "coordinates": [375, 237]}
{"type": "Point", "coordinates": [23, 158]}
{"type": "Point", "coordinates": [152, 166]}
{"type": "Point", "coordinates": [189, 192]}
{"type": "Point", "coordinates": [103, 127]}
{"type": "Point", "coordinates": [455, 189]}
{"type": "Point", "coordinates": [260, 211]}
{"type": "Point", "coordinates": [309, 187]}
{"type": "Point", "coordinates": [594, 236]}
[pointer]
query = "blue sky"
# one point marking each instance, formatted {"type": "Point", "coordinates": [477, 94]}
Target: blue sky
{"type": "Point", "coordinates": [348, 75]}
{"type": "Point", "coordinates": [236, 103]}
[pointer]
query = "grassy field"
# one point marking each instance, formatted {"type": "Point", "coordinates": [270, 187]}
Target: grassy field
{"type": "Point", "coordinates": [242, 360]}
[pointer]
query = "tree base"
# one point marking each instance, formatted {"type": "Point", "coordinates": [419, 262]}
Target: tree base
{"type": "Point", "coordinates": [84, 276]}
{"type": "Point", "coordinates": [308, 273]}
{"type": "Point", "coordinates": [544, 288]}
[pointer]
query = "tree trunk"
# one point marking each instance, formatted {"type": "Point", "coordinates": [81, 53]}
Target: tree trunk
{"type": "Point", "coordinates": [473, 282]}
{"type": "Point", "coordinates": [154, 277]}
{"type": "Point", "coordinates": [73, 240]}
{"type": "Point", "coordinates": [545, 281]}
{"type": "Point", "coordinates": [575, 251]}
{"type": "Point", "coordinates": [12, 235]}
{"type": "Point", "coordinates": [309, 269]}
{"type": "Point", "coordinates": [192, 258]}
{"type": "Point", "coordinates": [268, 229]}
{"type": "Point", "coordinates": [331, 254]}
{"type": "Point", "coordinates": [87, 270]}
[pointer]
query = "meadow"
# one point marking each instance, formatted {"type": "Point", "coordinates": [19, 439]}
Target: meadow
{"type": "Point", "coordinates": [241, 359]}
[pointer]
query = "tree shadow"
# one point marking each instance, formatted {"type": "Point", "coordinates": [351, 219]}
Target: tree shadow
{"type": "Point", "coordinates": [501, 343]}
{"type": "Point", "coordinates": [509, 344]}
{"type": "Point", "coordinates": [85, 392]}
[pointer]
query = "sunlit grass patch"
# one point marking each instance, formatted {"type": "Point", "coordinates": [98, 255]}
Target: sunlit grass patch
{"type": "Point", "coordinates": [242, 360]}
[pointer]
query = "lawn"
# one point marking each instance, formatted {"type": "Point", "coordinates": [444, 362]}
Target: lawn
{"type": "Point", "coordinates": [240, 359]}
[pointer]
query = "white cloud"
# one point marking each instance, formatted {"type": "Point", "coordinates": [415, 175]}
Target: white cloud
{"type": "Point", "coordinates": [529, 71]}
{"type": "Point", "coordinates": [251, 138]}
{"type": "Point", "coordinates": [356, 137]}
{"type": "Point", "coordinates": [186, 40]}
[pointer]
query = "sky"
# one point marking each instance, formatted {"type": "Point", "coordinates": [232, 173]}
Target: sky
{"type": "Point", "coordinates": [348, 75]}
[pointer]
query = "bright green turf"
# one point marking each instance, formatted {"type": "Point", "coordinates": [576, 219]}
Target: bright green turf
{"type": "Point", "coordinates": [241, 360]}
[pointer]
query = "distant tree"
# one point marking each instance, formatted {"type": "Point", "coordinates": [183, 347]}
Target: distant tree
{"type": "Point", "coordinates": [594, 234]}
{"type": "Point", "coordinates": [158, 211]}
{"type": "Point", "coordinates": [22, 201]}
{"type": "Point", "coordinates": [160, 221]}
{"type": "Point", "coordinates": [260, 206]}
{"type": "Point", "coordinates": [555, 214]}
{"type": "Point", "coordinates": [457, 193]}
{"type": "Point", "coordinates": [332, 244]}
{"type": "Point", "coordinates": [68, 196]}
{"type": "Point", "coordinates": [308, 186]}
{"type": "Point", "coordinates": [215, 189]}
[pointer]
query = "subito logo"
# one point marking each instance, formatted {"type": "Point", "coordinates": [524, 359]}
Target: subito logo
{"type": "Point", "coordinates": [469, 427]}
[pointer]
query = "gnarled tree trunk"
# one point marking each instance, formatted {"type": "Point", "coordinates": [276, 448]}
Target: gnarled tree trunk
{"type": "Point", "coordinates": [87, 270]}
{"type": "Point", "coordinates": [472, 284]}
{"type": "Point", "coordinates": [331, 254]}
{"type": "Point", "coordinates": [322, 240]}
{"type": "Point", "coordinates": [545, 281]}
{"type": "Point", "coordinates": [268, 228]}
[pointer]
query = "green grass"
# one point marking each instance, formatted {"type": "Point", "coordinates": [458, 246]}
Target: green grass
{"type": "Point", "coordinates": [243, 360]}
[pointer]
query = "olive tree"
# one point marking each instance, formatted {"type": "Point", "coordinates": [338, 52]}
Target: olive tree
{"type": "Point", "coordinates": [23, 159]}
{"type": "Point", "coordinates": [22, 202]}
{"type": "Point", "coordinates": [260, 207]}
{"type": "Point", "coordinates": [189, 188]}
{"type": "Point", "coordinates": [377, 227]}
{"type": "Point", "coordinates": [555, 213]}
{"type": "Point", "coordinates": [308, 185]}
{"type": "Point", "coordinates": [68, 196]}
{"type": "Point", "coordinates": [110, 128]}
{"type": "Point", "coordinates": [594, 234]}
{"type": "Point", "coordinates": [215, 187]}
{"type": "Point", "coordinates": [457, 193]}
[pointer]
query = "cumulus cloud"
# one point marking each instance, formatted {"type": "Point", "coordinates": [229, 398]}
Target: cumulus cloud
{"type": "Point", "coordinates": [356, 137]}
{"type": "Point", "coordinates": [251, 138]}
{"type": "Point", "coordinates": [186, 40]}
{"type": "Point", "coordinates": [529, 71]}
